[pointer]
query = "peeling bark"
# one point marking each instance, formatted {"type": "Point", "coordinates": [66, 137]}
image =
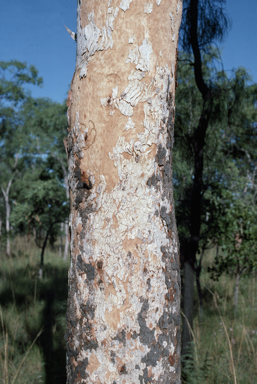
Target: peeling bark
{"type": "Point", "coordinates": [123, 313]}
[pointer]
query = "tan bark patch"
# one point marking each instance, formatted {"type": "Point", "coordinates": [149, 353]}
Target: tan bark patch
{"type": "Point", "coordinates": [93, 363]}
{"type": "Point", "coordinates": [113, 317]}
{"type": "Point", "coordinates": [109, 290]}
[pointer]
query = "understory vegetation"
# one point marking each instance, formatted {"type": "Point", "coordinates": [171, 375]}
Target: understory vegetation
{"type": "Point", "coordinates": [32, 317]}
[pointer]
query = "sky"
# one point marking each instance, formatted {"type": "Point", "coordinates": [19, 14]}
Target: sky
{"type": "Point", "coordinates": [33, 32]}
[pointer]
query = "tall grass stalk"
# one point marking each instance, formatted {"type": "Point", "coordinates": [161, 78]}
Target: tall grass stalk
{"type": "Point", "coordinates": [24, 358]}
{"type": "Point", "coordinates": [228, 339]}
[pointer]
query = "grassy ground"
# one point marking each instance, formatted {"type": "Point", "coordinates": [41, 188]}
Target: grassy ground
{"type": "Point", "coordinates": [32, 346]}
{"type": "Point", "coordinates": [225, 344]}
{"type": "Point", "coordinates": [32, 323]}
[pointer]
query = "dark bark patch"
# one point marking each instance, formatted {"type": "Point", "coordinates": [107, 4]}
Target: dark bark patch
{"type": "Point", "coordinates": [113, 357]}
{"type": "Point", "coordinates": [89, 269]}
{"type": "Point", "coordinates": [145, 379]}
{"type": "Point", "coordinates": [153, 355]}
{"type": "Point", "coordinates": [146, 335]}
{"type": "Point", "coordinates": [161, 155]}
{"type": "Point", "coordinates": [171, 359]}
{"type": "Point", "coordinates": [123, 370]}
{"type": "Point", "coordinates": [88, 311]}
{"type": "Point", "coordinates": [135, 335]}
{"type": "Point", "coordinates": [149, 284]}
{"type": "Point", "coordinates": [121, 337]}
{"type": "Point", "coordinates": [81, 368]}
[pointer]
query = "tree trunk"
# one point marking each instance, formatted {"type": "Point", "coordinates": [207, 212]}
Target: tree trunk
{"type": "Point", "coordinates": [236, 291]}
{"type": "Point", "coordinates": [198, 271]}
{"type": "Point", "coordinates": [198, 143]}
{"type": "Point", "coordinates": [7, 216]}
{"type": "Point", "coordinates": [67, 243]}
{"type": "Point", "coordinates": [188, 307]}
{"type": "Point", "coordinates": [123, 312]}
{"type": "Point", "coordinates": [66, 225]}
{"type": "Point", "coordinates": [40, 272]}
{"type": "Point", "coordinates": [8, 211]}
{"type": "Point", "coordinates": [60, 245]}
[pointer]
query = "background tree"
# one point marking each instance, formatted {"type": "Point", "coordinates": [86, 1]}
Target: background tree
{"type": "Point", "coordinates": [124, 293]}
{"type": "Point", "coordinates": [14, 76]}
{"type": "Point", "coordinates": [46, 124]}
{"type": "Point", "coordinates": [217, 98]}
{"type": "Point", "coordinates": [43, 206]}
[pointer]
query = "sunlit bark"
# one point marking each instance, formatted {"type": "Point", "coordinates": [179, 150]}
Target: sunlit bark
{"type": "Point", "coordinates": [124, 285]}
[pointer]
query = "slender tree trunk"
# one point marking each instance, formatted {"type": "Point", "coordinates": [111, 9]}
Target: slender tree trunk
{"type": "Point", "coordinates": [7, 216]}
{"type": "Point", "coordinates": [195, 228]}
{"type": "Point", "coordinates": [124, 284]}
{"type": "Point", "coordinates": [8, 211]}
{"type": "Point", "coordinates": [66, 224]}
{"type": "Point", "coordinates": [198, 284]}
{"type": "Point", "coordinates": [197, 190]}
{"type": "Point", "coordinates": [67, 243]}
{"type": "Point", "coordinates": [188, 307]}
{"type": "Point", "coordinates": [60, 245]}
{"type": "Point", "coordinates": [236, 291]}
{"type": "Point", "coordinates": [40, 273]}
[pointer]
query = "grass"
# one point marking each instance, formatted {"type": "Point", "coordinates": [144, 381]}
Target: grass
{"type": "Point", "coordinates": [224, 347]}
{"type": "Point", "coordinates": [32, 316]}
{"type": "Point", "coordinates": [32, 323]}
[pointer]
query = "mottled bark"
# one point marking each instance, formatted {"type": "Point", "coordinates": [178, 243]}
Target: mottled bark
{"type": "Point", "coordinates": [66, 224]}
{"type": "Point", "coordinates": [123, 313]}
{"type": "Point", "coordinates": [7, 215]}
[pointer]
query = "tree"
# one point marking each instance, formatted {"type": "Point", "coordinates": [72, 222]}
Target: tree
{"type": "Point", "coordinates": [226, 149]}
{"type": "Point", "coordinates": [14, 75]}
{"type": "Point", "coordinates": [204, 21]}
{"type": "Point", "coordinates": [46, 123]}
{"type": "Point", "coordinates": [124, 287]}
{"type": "Point", "coordinates": [42, 206]}
{"type": "Point", "coordinates": [238, 234]}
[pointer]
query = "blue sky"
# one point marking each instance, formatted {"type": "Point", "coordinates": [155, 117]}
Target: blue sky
{"type": "Point", "coordinates": [33, 31]}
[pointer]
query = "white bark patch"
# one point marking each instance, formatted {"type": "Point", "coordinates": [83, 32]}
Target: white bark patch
{"type": "Point", "coordinates": [158, 2]}
{"type": "Point", "coordinates": [132, 39]}
{"type": "Point", "coordinates": [141, 56]}
{"type": "Point", "coordinates": [145, 53]}
{"type": "Point", "coordinates": [115, 102]}
{"type": "Point", "coordinates": [171, 18]}
{"type": "Point", "coordinates": [124, 4]}
{"type": "Point", "coordinates": [94, 39]}
{"type": "Point", "coordinates": [130, 124]}
{"type": "Point", "coordinates": [148, 7]}
{"type": "Point", "coordinates": [178, 8]}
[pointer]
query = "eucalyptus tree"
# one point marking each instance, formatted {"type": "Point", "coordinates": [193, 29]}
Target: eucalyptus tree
{"type": "Point", "coordinates": [124, 286]}
{"type": "Point", "coordinates": [211, 134]}
{"type": "Point", "coordinates": [43, 204]}
{"type": "Point", "coordinates": [45, 123]}
{"type": "Point", "coordinates": [14, 77]}
{"type": "Point", "coordinates": [203, 22]}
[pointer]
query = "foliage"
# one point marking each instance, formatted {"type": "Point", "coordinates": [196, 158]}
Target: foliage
{"type": "Point", "coordinates": [43, 203]}
{"type": "Point", "coordinates": [237, 237]}
{"type": "Point", "coordinates": [33, 169]}
{"type": "Point", "coordinates": [229, 151]}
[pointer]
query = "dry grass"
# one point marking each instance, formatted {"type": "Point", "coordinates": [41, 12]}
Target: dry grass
{"type": "Point", "coordinates": [226, 346]}
{"type": "Point", "coordinates": [32, 316]}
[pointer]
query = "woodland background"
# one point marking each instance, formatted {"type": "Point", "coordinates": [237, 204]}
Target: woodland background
{"type": "Point", "coordinates": [216, 125]}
